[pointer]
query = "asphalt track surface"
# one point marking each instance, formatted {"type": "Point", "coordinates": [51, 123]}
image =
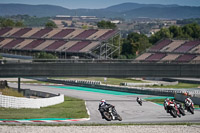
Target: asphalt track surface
{"type": "Point", "coordinates": [125, 104]}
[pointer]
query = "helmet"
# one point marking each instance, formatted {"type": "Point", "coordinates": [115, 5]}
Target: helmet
{"type": "Point", "coordinates": [102, 100]}
{"type": "Point", "coordinates": [167, 99]}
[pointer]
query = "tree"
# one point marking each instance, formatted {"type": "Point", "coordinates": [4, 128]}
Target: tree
{"type": "Point", "coordinates": [50, 24]}
{"type": "Point", "coordinates": [19, 24]}
{"type": "Point", "coordinates": [44, 55]}
{"type": "Point", "coordinates": [7, 23]}
{"type": "Point", "coordinates": [106, 25]}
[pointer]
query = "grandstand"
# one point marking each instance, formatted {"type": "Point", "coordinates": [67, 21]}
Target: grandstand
{"type": "Point", "coordinates": [90, 43]}
{"type": "Point", "coordinates": [172, 51]}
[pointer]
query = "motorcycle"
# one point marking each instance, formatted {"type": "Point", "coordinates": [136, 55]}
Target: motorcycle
{"type": "Point", "coordinates": [180, 108]}
{"type": "Point", "coordinates": [189, 106]}
{"type": "Point", "coordinates": [139, 101]}
{"type": "Point", "coordinates": [172, 109]}
{"type": "Point", "coordinates": [111, 114]}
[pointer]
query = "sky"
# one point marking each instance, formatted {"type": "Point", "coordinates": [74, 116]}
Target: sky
{"type": "Point", "coordinates": [96, 4]}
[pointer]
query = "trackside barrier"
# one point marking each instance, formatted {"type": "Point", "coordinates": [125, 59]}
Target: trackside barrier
{"type": "Point", "coordinates": [181, 98]}
{"type": "Point", "coordinates": [18, 102]}
{"type": "Point", "coordinates": [149, 84]}
{"type": "Point", "coordinates": [140, 90]}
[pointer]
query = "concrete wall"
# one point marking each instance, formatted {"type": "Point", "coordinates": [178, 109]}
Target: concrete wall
{"type": "Point", "coordinates": [38, 69]}
{"type": "Point", "coordinates": [18, 102]}
{"type": "Point", "coordinates": [181, 98]}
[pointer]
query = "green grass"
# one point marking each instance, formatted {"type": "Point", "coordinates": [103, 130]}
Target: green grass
{"type": "Point", "coordinates": [70, 108]}
{"type": "Point", "coordinates": [111, 81]}
{"type": "Point", "coordinates": [178, 86]}
{"type": "Point", "coordinates": [11, 92]}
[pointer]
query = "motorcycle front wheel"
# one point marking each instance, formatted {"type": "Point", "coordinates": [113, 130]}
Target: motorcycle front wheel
{"type": "Point", "coordinates": [107, 116]}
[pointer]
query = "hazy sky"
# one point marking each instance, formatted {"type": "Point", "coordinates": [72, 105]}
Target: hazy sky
{"type": "Point", "coordinates": [92, 4]}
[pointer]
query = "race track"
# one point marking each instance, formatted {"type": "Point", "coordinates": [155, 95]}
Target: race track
{"type": "Point", "coordinates": [125, 104]}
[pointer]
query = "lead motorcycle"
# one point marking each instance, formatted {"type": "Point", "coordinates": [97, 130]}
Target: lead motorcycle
{"type": "Point", "coordinates": [171, 108]}
{"type": "Point", "coordinates": [111, 114]}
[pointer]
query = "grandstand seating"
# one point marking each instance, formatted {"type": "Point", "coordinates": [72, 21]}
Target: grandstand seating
{"type": "Point", "coordinates": [172, 46]}
{"type": "Point", "coordinates": [4, 30]}
{"type": "Point", "coordinates": [33, 44]}
{"type": "Point", "coordinates": [43, 45]}
{"type": "Point", "coordinates": [143, 56]}
{"type": "Point", "coordinates": [97, 34]}
{"type": "Point", "coordinates": [21, 32]}
{"type": "Point", "coordinates": [107, 35]}
{"type": "Point", "coordinates": [170, 57]}
{"type": "Point", "coordinates": [13, 43]}
{"type": "Point", "coordinates": [85, 34]}
{"type": "Point", "coordinates": [83, 41]}
{"type": "Point", "coordinates": [41, 33]}
{"type": "Point", "coordinates": [78, 46]}
{"type": "Point", "coordinates": [187, 46]}
{"type": "Point", "coordinates": [55, 45]}
{"type": "Point", "coordinates": [155, 57]}
{"type": "Point", "coordinates": [63, 33]}
{"type": "Point", "coordinates": [185, 58]}
{"type": "Point", "coordinates": [90, 46]}
{"type": "Point", "coordinates": [160, 45]}
{"type": "Point", "coordinates": [66, 46]}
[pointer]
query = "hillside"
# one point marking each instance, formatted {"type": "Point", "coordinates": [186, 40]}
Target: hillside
{"type": "Point", "coordinates": [124, 10]}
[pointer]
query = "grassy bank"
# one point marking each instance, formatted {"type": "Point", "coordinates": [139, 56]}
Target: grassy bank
{"type": "Point", "coordinates": [70, 108]}
{"type": "Point", "coordinates": [11, 92]}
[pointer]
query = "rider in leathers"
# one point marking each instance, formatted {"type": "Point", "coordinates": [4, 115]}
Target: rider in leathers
{"type": "Point", "coordinates": [102, 106]}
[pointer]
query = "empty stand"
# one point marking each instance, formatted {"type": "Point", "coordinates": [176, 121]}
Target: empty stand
{"type": "Point", "coordinates": [143, 56]}
{"type": "Point", "coordinates": [5, 41]}
{"type": "Point", "coordinates": [155, 57]}
{"type": "Point", "coordinates": [85, 34]}
{"type": "Point", "coordinates": [74, 33]}
{"type": "Point", "coordinates": [160, 45]}
{"type": "Point", "coordinates": [66, 46]}
{"type": "Point", "coordinates": [107, 35]}
{"type": "Point", "coordinates": [97, 34]}
{"type": "Point", "coordinates": [13, 43]}
{"type": "Point", "coordinates": [172, 46]}
{"type": "Point", "coordinates": [23, 44]}
{"type": "Point", "coordinates": [63, 33]}
{"type": "Point", "coordinates": [31, 32]}
{"type": "Point", "coordinates": [187, 46]}
{"type": "Point", "coordinates": [21, 32]}
{"type": "Point", "coordinates": [43, 45]}
{"type": "Point", "coordinates": [90, 46]}
{"type": "Point", "coordinates": [78, 46]}
{"type": "Point", "coordinates": [55, 45]}
{"type": "Point", "coordinates": [185, 58]}
{"type": "Point", "coordinates": [4, 30]}
{"type": "Point", "coordinates": [41, 33]}
{"type": "Point", "coordinates": [33, 44]}
{"type": "Point", "coordinates": [170, 57]}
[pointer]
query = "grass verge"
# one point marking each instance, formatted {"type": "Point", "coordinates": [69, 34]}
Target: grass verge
{"type": "Point", "coordinates": [11, 92]}
{"type": "Point", "coordinates": [70, 108]}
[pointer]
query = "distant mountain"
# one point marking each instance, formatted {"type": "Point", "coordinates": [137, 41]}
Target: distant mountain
{"type": "Point", "coordinates": [32, 10]}
{"type": "Point", "coordinates": [130, 6]}
{"type": "Point", "coordinates": [124, 10]}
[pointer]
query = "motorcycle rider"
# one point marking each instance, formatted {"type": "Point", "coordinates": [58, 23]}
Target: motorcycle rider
{"type": "Point", "coordinates": [103, 105]}
{"type": "Point", "coordinates": [188, 100]}
{"type": "Point", "coordinates": [139, 100]}
{"type": "Point", "coordinates": [168, 102]}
